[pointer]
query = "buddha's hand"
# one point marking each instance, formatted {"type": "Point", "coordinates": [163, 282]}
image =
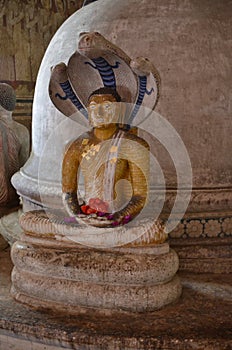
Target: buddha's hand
{"type": "Point", "coordinates": [94, 220]}
{"type": "Point", "coordinates": [103, 219]}
{"type": "Point", "coordinates": [95, 213]}
{"type": "Point", "coordinates": [71, 203]}
{"type": "Point", "coordinates": [126, 214]}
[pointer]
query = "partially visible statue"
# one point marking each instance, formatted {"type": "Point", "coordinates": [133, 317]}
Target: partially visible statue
{"type": "Point", "coordinates": [14, 146]}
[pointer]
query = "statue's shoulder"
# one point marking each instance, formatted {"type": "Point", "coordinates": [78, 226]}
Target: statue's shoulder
{"type": "Point", "coordinates": [133, 136]}
{"type": "Point", "coordinates": [79, 142]}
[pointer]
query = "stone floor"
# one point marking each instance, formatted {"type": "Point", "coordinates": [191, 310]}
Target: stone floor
{"type": "Point", "coordinates": [202, 319]}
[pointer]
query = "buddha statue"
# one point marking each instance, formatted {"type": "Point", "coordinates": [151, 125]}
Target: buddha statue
{"type": "Point", "coordinates": [114, 163]}
{"type": "Point", "coordinates": [14, 145]}
{"type": "Point", "coordinates": [108, 252]}
{"type": "Point", "coordinates": [111, 160]}
{"type": "Point", "coordinates": [105, 170]}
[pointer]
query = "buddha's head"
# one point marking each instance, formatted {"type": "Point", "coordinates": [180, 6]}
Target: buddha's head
{"type": "Point", "coordinates": [7, 97]}
{"type": "Point", "coordinates": [104, 107]}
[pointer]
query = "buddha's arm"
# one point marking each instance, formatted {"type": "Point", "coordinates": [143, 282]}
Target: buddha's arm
{"type": "Point", "coordinates": [139, 178]}
{"type": "Point", "coordinates": [69, 179]}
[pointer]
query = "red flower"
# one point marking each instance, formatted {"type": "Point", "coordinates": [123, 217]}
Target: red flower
{"type": "Point", "coordinates": [99, 205]}
{"type": "Point", "coordinates": [96, 205]}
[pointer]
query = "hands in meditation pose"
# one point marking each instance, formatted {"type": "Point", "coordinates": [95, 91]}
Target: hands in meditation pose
{"type": "Point", "coordinates": [114, 164]}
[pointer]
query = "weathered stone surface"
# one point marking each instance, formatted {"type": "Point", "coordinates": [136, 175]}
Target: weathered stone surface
{"type": "Point", "coordinates": [114, 266]}
{"type": "Point", "coordinates": [201, 319]}
{"type": "Point", "coordinates": [58, 278]}
{"type": "Point", "coordinates": [71, 295]}
{"type": "Point", "coordinates": [53, 270]}
{"type": "Point", "coordinates": [204, 255]}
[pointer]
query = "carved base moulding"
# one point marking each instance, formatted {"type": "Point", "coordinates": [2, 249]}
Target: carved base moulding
{"type": "Point", "coordinates": [204, 227]}
{"type": "Point", "coordinates": [204, 243]}
{"type": "Point", "coordinates": [53, 271]}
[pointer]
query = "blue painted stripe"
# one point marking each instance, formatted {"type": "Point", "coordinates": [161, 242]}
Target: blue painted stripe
{"type": "Point", "coordinates": [142, 91]}
{"type": "Point", "coordinates": [105, 70]}
{"type": "Point", "coordinates": [149, 92]}
{"type": "Point", "coordinates": [69, 94]}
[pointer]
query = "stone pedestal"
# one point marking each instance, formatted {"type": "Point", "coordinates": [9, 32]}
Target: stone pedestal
{"type": "Point", "coordinates": [9, 226]}
{"type": "Point", "coordinates": [186, 324]}
{"type": "Point", "coordinates": [51, 270]}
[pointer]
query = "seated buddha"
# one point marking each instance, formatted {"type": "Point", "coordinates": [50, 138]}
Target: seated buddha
{"type": "Point", "coordinates": [14, 147]}
{"type": "Point", "coordinates": [113, 162]}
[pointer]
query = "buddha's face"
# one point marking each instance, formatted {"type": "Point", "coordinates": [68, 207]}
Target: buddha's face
{"type": "Point", "coordinates": [102, 110]}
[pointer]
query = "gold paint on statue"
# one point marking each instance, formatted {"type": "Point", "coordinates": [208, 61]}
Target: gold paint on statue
{"type": "Point", "coordinates": [85, 142]}
{"type": "Point", "coordinates": [106, 156]}
{"type": "Point", "coordinates": [113, 149]}
{"type": "Point", "coordinates": [113, 160]}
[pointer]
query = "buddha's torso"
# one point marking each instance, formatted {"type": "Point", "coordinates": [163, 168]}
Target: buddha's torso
{"type": "Point", "coordinates": [112, 170]}
{"type": "Point", "coordinates": [103, 165]}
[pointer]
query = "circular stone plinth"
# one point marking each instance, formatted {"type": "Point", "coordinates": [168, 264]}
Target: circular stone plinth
{"type": "Point", "coordinates": [75, 278]}
{"type": "Point", "coordinates": [10, 228]}
{"type": "Point", "coordinates": [54, 272]}
{"type": "Point", "coordinates": [55, 225]}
